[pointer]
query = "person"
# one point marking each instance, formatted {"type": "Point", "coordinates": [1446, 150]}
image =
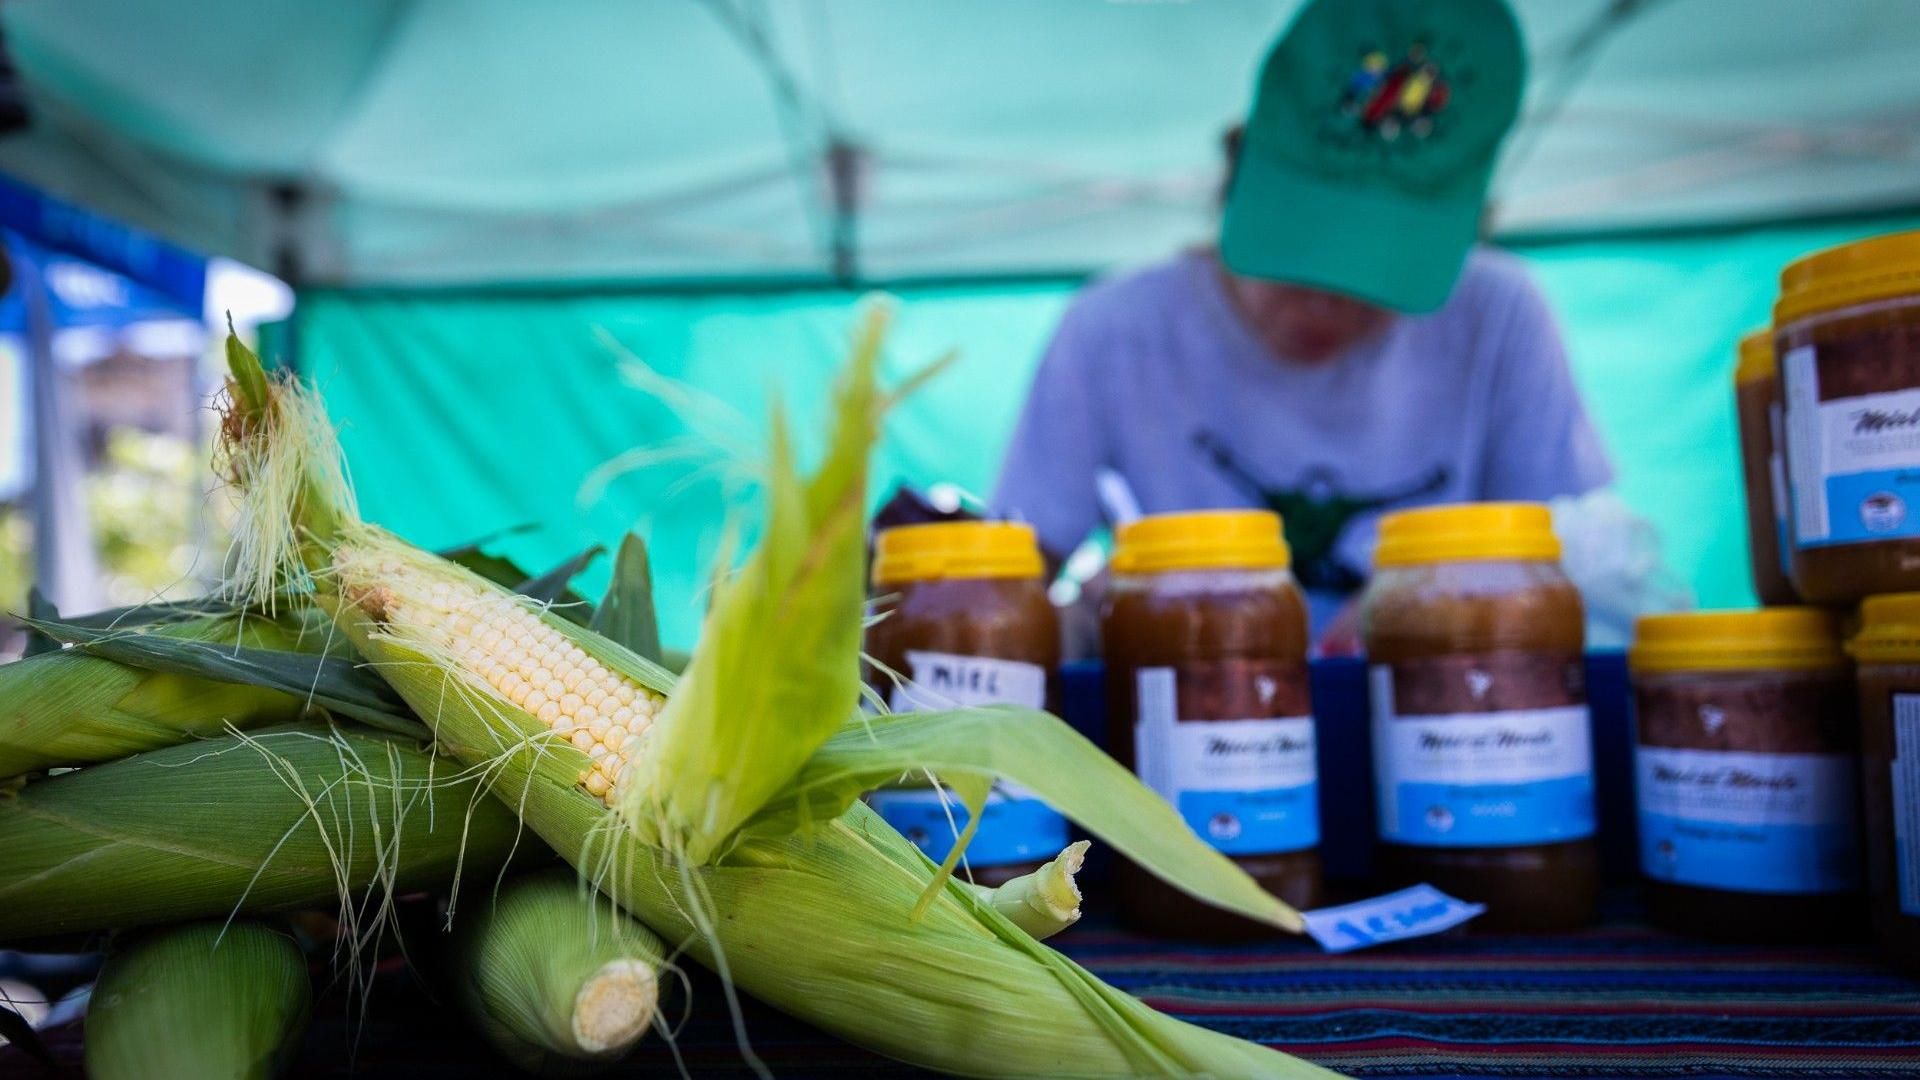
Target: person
{"type": "Point", "coordinates": [1348, 347]}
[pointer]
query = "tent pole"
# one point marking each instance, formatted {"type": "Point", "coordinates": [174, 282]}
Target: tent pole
{"type": "Point", "coordinates": [846, 162]}
{"type": "Point", "coordinates": [63, 552]}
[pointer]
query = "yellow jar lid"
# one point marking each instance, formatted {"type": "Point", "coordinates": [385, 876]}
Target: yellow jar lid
{"type": "Point", "coordinates": [1756, 358]}
{"type": "Point", "coordinates": [1769, 639]}
{"type": "Point", "coordinates": [1889, 630]}
{"type": "Point", "coordinates": [1877, 268]}
{"type": "Point", "coordinates": [1467, 532]}
{"type": "Point", "coordinates": [956, 549]}
{"type": "Point", "coordinates": [1202, 540]}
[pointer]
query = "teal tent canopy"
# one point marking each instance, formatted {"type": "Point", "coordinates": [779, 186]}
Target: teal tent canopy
{"type": "Point", "coordinates": [407, 142]}
{"type": "Point", "coordinates": [484, 203]}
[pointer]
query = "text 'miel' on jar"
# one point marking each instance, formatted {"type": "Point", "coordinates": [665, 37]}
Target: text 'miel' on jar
{"type": "Point", "coordinates": [1887, 650]}
{"type": "Point", "coordinates": [964, 620]}
{"type": "Point", "coordinates": [1746, 761]}
{"type": "Point", "coordinates": [1847, 334]}
{"type": "Point", "coordinates": [1483, 757]}
{"type": "Point", "coordinates": [1205, 635]}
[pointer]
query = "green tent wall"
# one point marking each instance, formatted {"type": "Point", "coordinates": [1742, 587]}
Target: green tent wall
{"type": "Point", "coordinates": [468, 412]}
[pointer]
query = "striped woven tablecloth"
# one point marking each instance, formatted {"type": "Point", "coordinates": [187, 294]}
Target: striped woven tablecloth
{"type": "Point", "coordinates": [1616, 1001]}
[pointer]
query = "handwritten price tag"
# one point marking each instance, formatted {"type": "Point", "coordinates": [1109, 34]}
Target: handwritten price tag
{"type": "Point", "coordinates": [1408, 913]}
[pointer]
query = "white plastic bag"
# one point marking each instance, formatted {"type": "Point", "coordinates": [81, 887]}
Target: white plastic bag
{"type": "Point", "coordinates": [1613, 556]}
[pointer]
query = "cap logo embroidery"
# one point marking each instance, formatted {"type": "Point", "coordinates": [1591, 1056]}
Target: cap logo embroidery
{"type": "Point", "coordinates": [1390, 98]}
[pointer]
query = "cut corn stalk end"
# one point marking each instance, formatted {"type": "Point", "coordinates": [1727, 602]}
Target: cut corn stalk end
{"type": "Point", "coordinates": [553, 973]}
{"type": "Point", "coordinates": [615, 1007]}
{"type": "Point", "coordinates": [1046, 901]}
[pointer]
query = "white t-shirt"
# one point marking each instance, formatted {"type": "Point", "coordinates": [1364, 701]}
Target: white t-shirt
{"type": "Point", "coordinates": [1155, 376]}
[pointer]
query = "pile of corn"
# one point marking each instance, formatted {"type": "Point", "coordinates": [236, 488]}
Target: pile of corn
{"type": "Point", "coordinates": [714, 814]}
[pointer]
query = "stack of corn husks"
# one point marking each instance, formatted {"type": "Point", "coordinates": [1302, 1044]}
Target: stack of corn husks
{"type": "Point", "coordinates": [363, 719]}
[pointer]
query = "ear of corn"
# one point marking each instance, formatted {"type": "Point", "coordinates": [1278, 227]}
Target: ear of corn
{"type": "Point", "coordinates": [832, 916]}
{"type": "Point", "coordinates": [832, 929]}
{"type": "Point", "coordinates": [71, 708]}
{"type": "Point", "coordinates": [280, 819]}
{"type": "Point", "coordinates": [203, 1001]}
{"type": "Point", "coordinates": [553, 974]}
{"type": "Point", "coordinates": [589, 701]}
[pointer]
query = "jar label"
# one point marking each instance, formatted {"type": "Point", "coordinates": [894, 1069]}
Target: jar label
{"type": "Point", "coordinates": [1015, 827]}
{"type": "Point", "coordinates": [1854, 458]}
{"type": "Point", "coordinates": [1482, 751]}
{"type": "Point", "coordinates": [1230, 744]}
{"type": "Point", "coordinates": [949, 681]}
{"type": "Point", "coordinates": [1752, 822]}
{"type": "Point", "coordinates": [1906, 799]}
{"type": "Point", "coordinates": [1777, 481]}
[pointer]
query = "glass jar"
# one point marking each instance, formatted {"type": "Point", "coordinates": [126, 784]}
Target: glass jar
{"type": "Point", "coordinates": [1756, 390]}
{"type": "Point", "coordinates": [1847, 333]}
{"type": "Point", "coordinates": [1482, 749]}
{"type": "Point", "coordinates": [1746, 755]}
{"type": "Point", "coordinates": [964, 619]}
{"type": "Point", "coordinates": [1887, 650]}
{"type": "Point", "coordinates": [1205, 635]}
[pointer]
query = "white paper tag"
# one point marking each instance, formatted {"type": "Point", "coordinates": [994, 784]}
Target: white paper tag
{"type": "Point", "coordinates": [1409, 913]}
{"type": "Point", "coordinates": [1800, 387]}
{"type": "Point", "coordinates": [1906, 800]}
{"type": "Point", "coordinates": [949, 681]}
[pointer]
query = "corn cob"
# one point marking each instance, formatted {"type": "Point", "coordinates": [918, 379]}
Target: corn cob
{"type": "Point", "coordinates": [554, 975]}
{"type": "Point", "coordinates": [736, 829]}
{"type": "Point", "coordinates": [520, 659]}
{"type": "Point", "coordinates": [69, 708]}
{"type": "Point", "coordinates": [204, 1001]}
{"type": "Point", "coordinates": [280, 819]}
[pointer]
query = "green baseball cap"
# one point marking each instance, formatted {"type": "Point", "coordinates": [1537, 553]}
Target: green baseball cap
{"type": "Point", "coordinates": [1375, 128]}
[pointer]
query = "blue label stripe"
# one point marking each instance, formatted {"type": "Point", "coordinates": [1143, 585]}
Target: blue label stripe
{"type": "Point", "coordinates": [1011, 830]}
{"type": "Point", "coordinates": [1495, 815]}
{"type": "Point", "coordinates": [1767, 858]}
{"type": "Point", "coordinates": [1265, 822]}
{"type": "Point", "coordinates": [1880, 505]}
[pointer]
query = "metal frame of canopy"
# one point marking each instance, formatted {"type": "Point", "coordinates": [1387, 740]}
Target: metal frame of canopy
{"type": "Point", "coordinates": [826, 181]}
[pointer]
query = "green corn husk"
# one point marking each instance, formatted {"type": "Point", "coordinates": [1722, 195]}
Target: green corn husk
{"type": "Point", "coordinates": [557, 978]}
{"type": "Point", "coordinates": [738, 832]}
{"type": "Point", "coordinates": [279, 819]}
{"type": "Point", "coordinates": [70, 708]}
{"type": "Point", "coordinates": [204, 1001]}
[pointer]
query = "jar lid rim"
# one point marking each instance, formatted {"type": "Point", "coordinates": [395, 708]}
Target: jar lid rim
{"type": "Point", "coordinates": [942, 550]}
{"type": "Point", "coordinates": [1782, 638]}
{"type": "Point", "coordinates": [1860, 271]}
{"type": "Point", "coordinates": [1467, 532]}
{"type": "Point", "coordinates": [1756, 357]}
{"type": "Point", "coordinates": [1201, 540]}
{"type": "Point", "coordinates": [1889, 629]}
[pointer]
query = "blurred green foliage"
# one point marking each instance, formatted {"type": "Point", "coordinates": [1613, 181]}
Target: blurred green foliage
{"type": "Point", "coordinates": [158, 530]}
